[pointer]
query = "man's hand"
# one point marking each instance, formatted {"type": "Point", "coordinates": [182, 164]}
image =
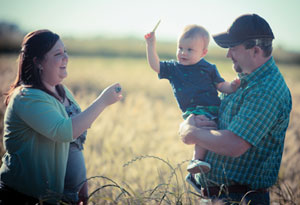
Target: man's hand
{"type": "Point", "coordinates": [203, 122]}
{"type": "Point", "coordinates": [191, 127]}
{"type": "Point", "coordinates": [186, 129]}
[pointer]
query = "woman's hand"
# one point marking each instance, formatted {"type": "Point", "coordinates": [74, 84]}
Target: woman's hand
{"type": "Point", "coordinates": [84, 120]}
{"type": "Point", "coordinates": [111, 94]}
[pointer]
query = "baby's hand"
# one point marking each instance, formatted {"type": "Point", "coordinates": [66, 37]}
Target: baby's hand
{"type": "Point", "coordinates": [235, 84]}
{"type": "Point", "coordinates": [150, 38]}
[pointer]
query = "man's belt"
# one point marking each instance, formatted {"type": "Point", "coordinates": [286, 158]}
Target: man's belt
{"type": "Point", "coordinates": [216, 190]}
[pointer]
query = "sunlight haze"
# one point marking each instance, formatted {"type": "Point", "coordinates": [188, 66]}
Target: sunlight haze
{"type": "Point", "coordinates": [134, 18]}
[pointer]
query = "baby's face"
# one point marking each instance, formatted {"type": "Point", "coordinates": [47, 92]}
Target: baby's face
{"type": "Point", "coordinates": [190, 50]}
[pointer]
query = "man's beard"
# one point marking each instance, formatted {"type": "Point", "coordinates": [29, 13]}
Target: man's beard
{"type": "Point", "coordinates": [237, 69]}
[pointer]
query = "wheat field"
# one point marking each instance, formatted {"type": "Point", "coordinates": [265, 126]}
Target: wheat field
{"type": "Point", "coordinates": [133, 152]}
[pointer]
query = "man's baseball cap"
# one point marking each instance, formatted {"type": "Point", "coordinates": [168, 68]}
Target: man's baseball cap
{"type": "Point", "coordinates": [245, 27]}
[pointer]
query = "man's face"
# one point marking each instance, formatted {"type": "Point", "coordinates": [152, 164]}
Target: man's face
{"type": "Point", "coordinates": [241, 58]}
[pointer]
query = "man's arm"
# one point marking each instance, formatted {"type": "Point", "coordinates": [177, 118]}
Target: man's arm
{"type": "Point", "coordinates": [152, 56]}
{"type": "Point", "coordinates": [223, 142]}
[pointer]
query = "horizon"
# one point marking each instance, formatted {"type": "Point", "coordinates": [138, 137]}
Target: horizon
{"type": "Point", "coordinates": [134, 18]}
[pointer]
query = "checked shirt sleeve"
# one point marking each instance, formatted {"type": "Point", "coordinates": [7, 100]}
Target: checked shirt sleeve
{"type": "Point", "coordinates": [256, 116]}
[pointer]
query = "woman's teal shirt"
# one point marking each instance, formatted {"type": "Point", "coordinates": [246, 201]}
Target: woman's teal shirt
{"type": "Point", "coordinates": [37, 134]}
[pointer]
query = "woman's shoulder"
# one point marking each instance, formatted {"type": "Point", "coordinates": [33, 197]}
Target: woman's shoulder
{"type": "Point", "coordinates": [27, 94]}
{"type": "Point", "coordinates": [32, 92]}
{"type": "Point", "coordinates": [24, 96]}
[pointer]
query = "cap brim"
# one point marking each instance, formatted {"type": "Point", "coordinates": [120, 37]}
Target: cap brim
{"type": "Point", "coordinates": [224, 40]}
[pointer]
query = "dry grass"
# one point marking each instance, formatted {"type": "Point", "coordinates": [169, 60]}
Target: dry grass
{"type": "Point", "coordinates": [133, 153]}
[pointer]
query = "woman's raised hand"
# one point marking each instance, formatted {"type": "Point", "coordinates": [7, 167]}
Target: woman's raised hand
{"type": "Point", "coordinates": [111, 94]}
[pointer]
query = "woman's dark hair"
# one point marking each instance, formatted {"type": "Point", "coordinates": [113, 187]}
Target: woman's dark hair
{"type": "Point", "coordinates": [35, 46]}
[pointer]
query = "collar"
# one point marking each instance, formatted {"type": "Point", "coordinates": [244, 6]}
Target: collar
{"type": "Point", "coordinates": [202, 62]}
{"type": "Point", "coordinates": [257, 74]}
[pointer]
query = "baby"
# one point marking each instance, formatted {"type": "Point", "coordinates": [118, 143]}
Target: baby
{"type": "Point", "coordinates": [195, 81]}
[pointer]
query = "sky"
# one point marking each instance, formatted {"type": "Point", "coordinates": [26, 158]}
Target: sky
{"type": "Point", "coordinates": [134, 18]}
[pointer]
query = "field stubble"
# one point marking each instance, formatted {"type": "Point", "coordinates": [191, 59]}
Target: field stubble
{"type": "Point", "coordinates": [141, 131]}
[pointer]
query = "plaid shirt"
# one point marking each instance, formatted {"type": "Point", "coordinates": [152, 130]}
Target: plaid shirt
{"type": "Point", "coordinates": [259, 113]}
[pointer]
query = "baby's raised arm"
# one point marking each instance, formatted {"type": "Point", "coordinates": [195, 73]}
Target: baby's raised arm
{"type": "Point", "coordinates": [151, 53]}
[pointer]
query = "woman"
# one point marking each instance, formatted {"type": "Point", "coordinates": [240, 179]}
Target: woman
{"type": "Point", "coordinates": [38, 129]}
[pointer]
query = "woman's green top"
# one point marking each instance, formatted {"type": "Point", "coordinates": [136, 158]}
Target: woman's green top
{"type": "Point", "coordinates": [37, 134]}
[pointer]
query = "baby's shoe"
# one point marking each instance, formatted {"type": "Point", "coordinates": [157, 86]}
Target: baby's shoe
{"type": "Point", "coordinates": [198, 166]}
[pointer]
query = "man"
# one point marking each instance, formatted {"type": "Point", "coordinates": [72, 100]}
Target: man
{"type": "Point", "coordinates": [245, 152]}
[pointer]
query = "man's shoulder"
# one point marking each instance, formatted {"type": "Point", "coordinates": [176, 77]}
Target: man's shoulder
{"type": "Point", "coordinates": [272, 79]}
{"type": "Point", "coordinates": [272, 84]}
